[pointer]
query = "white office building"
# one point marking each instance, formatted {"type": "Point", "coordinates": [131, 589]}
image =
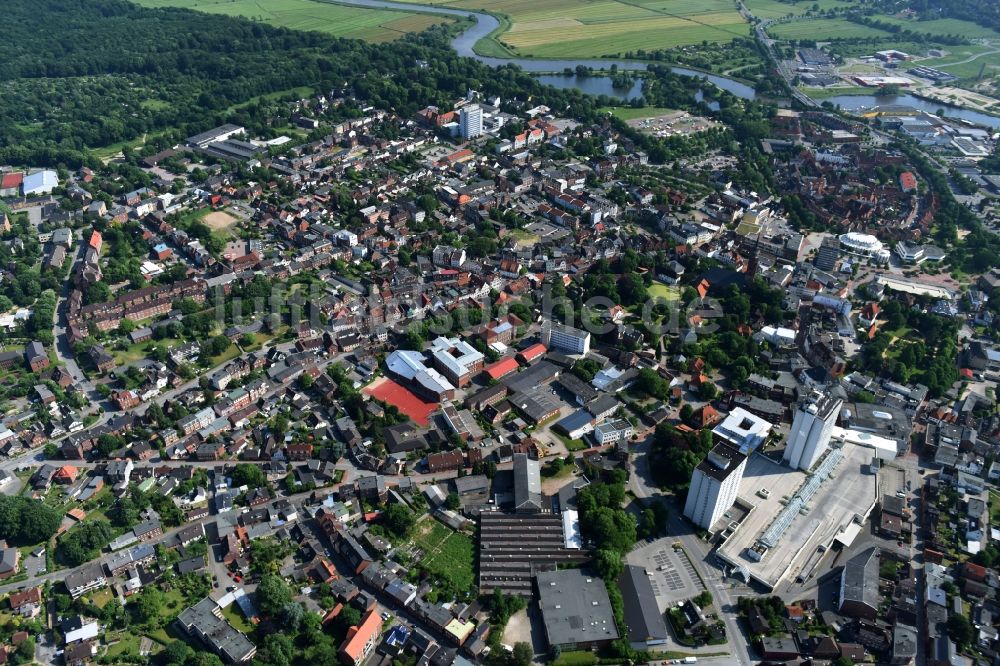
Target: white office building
{"type": "Point", "coordinates": [565, 338]}
{"type": "Point", "coordinates": [470, 121]}
{"type": "Point", "coordinates": [714, 485]}
{"type": "Point", "coordinates": [811, 430]}
{"type": "Point", "coordinates": [743, 430]}
{"type": "Point", "coordinates": [613, 431]}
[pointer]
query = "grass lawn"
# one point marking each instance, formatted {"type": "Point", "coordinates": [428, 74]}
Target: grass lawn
{"type": "Point", "coordinates": [374, 25]}
{"type": "Point", "coordinates": [128, 644]}
{"type": "Point", "coordinates": [447, 554]}
{"type": "Point", "coordinates": [664, 291]}
{"type": "Point", "coordinates": [575, 658]}
{"type": "Point", "coordinates": [571, 444]}
{"type": "Point", "coordinates": [140, 350]}
{"type": "Point", "coordinates": [259, 340]}
{"type": "Point", "coordinates": [231, 352]}
{"type": "Point", "coordinates": [994, 507]}
{"type": "Point", "coordinates": [628, 113]}
{"type": "Point", "coordinates": [597, 28]}
{"type": "Point", "coordinates": [976, 55]}
{"type": "Point", "coordinates": [234, 616]}
{"type": "Point", "coordinates": [101, 597]}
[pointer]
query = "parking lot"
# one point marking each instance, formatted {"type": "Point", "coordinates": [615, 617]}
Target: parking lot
{"type": "Point", "coordinates": [670, 572]}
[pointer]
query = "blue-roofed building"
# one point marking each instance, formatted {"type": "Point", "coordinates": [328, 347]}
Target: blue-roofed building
{"type": "Point", "coordinates": [577, 424]}
{"type": "Point", "coordinates": [40, 182]}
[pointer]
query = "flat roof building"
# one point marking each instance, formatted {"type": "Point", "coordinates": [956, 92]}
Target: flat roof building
{"type": "Point", "coordinates": [576, 610]}
{"type": "Point", "coordinates": [714, 485]}
{"type": "Point", "coordinates": [743, 430]}
{"type": "Point", "coordinates": [812, 427]}
{"type": "Point", "coordinates": [565, 338]}
{"type": "Point", "coordinates": [512, 548]}
{"type": "Point", "coordinates": [204, 621]}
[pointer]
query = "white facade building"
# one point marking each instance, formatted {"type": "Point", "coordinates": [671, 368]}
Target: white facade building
{"type": "Point", "coordinates": [811, 431]}
{"type": "Point", "coordinates": [565, 338]}
{"type": "Point", "coordinates": [864, 245]}
{"type": "Point", "coordinates": [743, 430]}
{"type": "Point", "coordinates": [470, 121]}
{"type": "Point", "coordinates": [613, 431]}
{"type": "Point", "coordinates": [714, 485]}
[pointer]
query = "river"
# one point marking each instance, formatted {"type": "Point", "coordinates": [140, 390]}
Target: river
{"type": "Point", "coordinates": [551, 71]}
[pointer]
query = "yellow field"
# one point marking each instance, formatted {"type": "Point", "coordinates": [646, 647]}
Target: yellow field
{"type": "Point", "coordinates": [595, 28]}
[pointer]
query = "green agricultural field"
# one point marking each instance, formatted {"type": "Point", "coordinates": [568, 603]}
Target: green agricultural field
{"type": "Point", "coordinates": [776, 9]}
{"type": "Point", "coordinates": [966, 61]}
{"type": "Point", "coordinates": [825, 30]}
{"type": "Point", "coordinates": [574, 29]}
{"type": "Point", "coordinates": [938, 27]}
{"type": "Point", "coordinates": [373, 25]}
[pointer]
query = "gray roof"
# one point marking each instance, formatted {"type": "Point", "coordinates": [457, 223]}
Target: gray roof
{"type": "Point", "coordinates": [859, 581]}
{"type": "Point", "coordinates": [642, 614]}
{"type": "Point", "coordinates": [201, 621]}
{"type": "Point", "coordinates": [575, 608]}
{"type": "Point", "coordinates": [527, 484]}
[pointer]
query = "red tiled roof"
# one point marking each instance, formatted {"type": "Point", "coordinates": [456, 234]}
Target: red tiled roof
{"type": "Point", "coordinates": [534, 351]}
{"type": "Point", "coordinates": [11, 180]}
{"type": "Point", "coordinates": [357, 637]}
{"type": "Point", "coordinates": [503, 367]}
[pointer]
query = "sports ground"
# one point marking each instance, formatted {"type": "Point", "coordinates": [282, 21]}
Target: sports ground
{"type": "Point", "coordinates": [402, 398]}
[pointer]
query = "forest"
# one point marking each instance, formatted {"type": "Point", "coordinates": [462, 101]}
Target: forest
{"type": "Point", "coordinates": [73, 80]}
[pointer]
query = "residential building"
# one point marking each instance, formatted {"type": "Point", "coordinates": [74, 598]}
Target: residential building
{"type": "Point", "coordinates": [470, 121]}
{"type": "Point", "coordinates": [613, 431]}
{"type": "Point", "coordinates": [714, 485]}
{"type": "Point", "coordinates": [204, 622]}
{"type": "Point", "coordinates": [743, 430]}
{"type": "Point", "coordinates": [859, 593]}
{"type": "Point", "coordinates": [565, 338]}
{"type": "Point", "coordinates": [362, 639]}
{"type": "Point", "coordinates": [811, 430]}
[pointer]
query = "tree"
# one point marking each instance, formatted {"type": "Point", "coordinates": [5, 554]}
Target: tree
{"type": "Point", "coordinates": [398, 519]}
{"type": "Point", "coordinates": [452, 502]}
{"type": "Point", "coordinates": [273, 593]}
{"type": "Point", "coordinates": [704, 599]}
{"type": "Point", "coordinates": [177, 653]}
{"type": "Point", "coordinates": [25, 521]}
{"type": "Point", "coordinates": [84, 542]}
{"type": "Point", "coordinates": [960, 629]}
{"type": "Point", "coordinates": [250, 475]}
{"type": "Point", "coordinates": [523, 654]}
{"type": "Point", "coordinates": [147, 605]}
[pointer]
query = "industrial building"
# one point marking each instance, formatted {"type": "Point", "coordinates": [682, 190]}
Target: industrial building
{"type": "Point", "coordinates": [643, 619]}
{"type": "Point", "coordinates": [576, 610]}
{"type": "Point", "coordinates": [513, 548]}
